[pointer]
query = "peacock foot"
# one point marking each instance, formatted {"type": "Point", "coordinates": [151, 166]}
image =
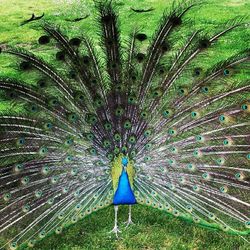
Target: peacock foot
{"type": "Point", "coordinates": [115, 230]}
{"type": "Point", "coordinates": [129, 222]}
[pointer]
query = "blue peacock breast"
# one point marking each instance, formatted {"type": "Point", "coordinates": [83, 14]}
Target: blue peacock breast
{"type": "Point", "coordinates": [124, 194]}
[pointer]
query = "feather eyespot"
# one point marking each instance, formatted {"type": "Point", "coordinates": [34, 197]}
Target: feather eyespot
{"type": "Point", "coordinates": [197, 71]}
{"type": "Point", "coordinates": [124, 149]}
{"type": "Point", "coordinates": [132, 153]}
{"type": "Point", "coordinates": [132, 139]}
{"type": "Point", "coordinates": [116, 150]}
{"type": "Point", "coordinates": [60, 56]}
{"type": "Point", "coordinates": [75, 41]}
{"type": "Point", "coordinates": [43, 40]}
{"type": "Point", "coordinates": [204, 43]}
{"type": "Point", "coordinates": [72, 74]}
{"type": "Point", "coordinates": [21, 141]}
{"type": "Point", "coordinates": [165, 46]}
{"type": "Point", "coordinates": [41, 83]}
{"type": "Point", "coordinates": [127, 124]}
{"type": "Point", "coordinates": [226, 72]}
{"type": "Point", "coordinates": [140, 57]}
{"type": "Point", "coordinates": [25, 66]}
{"type": "Point", "coordinates": [86, 59]}
{"type": "Point", "coordinates": [244, 107]}
{"type": "Point", "coordinates": [141, 37]}
{"type": "Point", "coordinates": [117, 137]}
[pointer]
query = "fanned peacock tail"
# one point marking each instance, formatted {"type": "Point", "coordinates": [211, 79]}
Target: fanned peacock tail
{"type": "Point", "coordinates": [185, 129]}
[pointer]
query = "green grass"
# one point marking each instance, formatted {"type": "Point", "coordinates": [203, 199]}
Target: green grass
{"type": "Point", "coordinates": [153, 229]}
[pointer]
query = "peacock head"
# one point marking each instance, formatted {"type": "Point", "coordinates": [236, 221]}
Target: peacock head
{"type": "Point", "coordinates": [124, 162]}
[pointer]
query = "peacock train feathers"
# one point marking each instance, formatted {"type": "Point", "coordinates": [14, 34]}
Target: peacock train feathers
{"type": "Point", "coordinates": [184, 129]}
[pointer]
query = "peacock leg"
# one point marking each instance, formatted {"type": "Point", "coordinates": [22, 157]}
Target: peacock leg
{"type": "Point", "coordinates": [116, 229]}
{"type": "Point", "coordinates": [129, 222]}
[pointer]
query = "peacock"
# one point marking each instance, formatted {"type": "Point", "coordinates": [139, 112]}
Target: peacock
{"type": "Point", "coordinates": [116, 123]}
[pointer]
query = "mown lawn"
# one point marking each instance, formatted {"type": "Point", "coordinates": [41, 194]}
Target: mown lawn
{"type": "Point", "coordinates": [153, 229]}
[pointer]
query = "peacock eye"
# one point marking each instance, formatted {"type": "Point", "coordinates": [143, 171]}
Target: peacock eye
{"type": "Point", "coordinates": [206, 176]}
{"type": "Point", "coordinates": [131, 100]}
{"type": "Point", "coordinates": [182, 91]}
{"type": "Point", "coordinates": [106, 143]}
{"type": "Point", "coordinates": [43, 150]}
{"type": "Point", "coordinates": [98, 103]}
{"type": "Point", "coordinates": [18, 168]}
{"type": "Point", "coordinates": [141, 37]}
{"type": "Point", "coordinates": [222, 118]}
{"type": "Point", "coordinates": [148, 146]}
{"type": "Point", "coordinates": [72, 117]}
{"type": "Point", "coordinates": [75, 41]}
{"type": "Point", "coordinates": [33, 108]}
{"type": "Point", "coordinates": [25, 66]}
{"type": "Point", "coordinates": [197, 71]}
{"type": "Point", "coordinates": [69, 142]}
{"type": "Point", "coordinates": [144, 115]}
{"type": "Point", "coordinates": [226, 72]}
{"type": "Point", "coordinates": [171, 131]}
{"type": "Point", "coordinates": [117, 137]}
{"type": "Point", "coordinates": [48, 125]}
{"type": "Point", "coordinates": [247, 224]}
{"type": "Point", "coordinates": [107, 126]}
{"type": "Point", "coordinates": [220, 161]}
{"type": "Point", "coordinates": [193, 114]}
{"type": "Point", "coordinates": [12, 95]}
{"type": "Point", "coordinates": [189, 207]}
{"type": "Point", "coordinates": [133, 154]}
{"type": "Point", "coordinates": [223, 189]}
{"type": "Point", "coordinates": [7, 197]}
{"type": "Point", "coordinates": [43, 39]}
{"type": "Point", "coordinates": [204, 89]}
{"type": "Point", "coordinates": [157, 93]}
{"type": "Point", "coordinates": [198, 138]}
{"type": "Point", "coordinates": [25, 180]}
{"type": "Point", "coordinates": [42, 234]}
{"type": "Point", "coordinates": [124, 149]}
{"type": "Point", "coordinates": [204, 43]}
{"type": "Point", "coordinates": [13, 245]}
{"type": "Point", "coordinates": [140, 57]}
{"type": "Point", "coordinates": [60, 56]}
{"type": "Point", "coordinates": [127, 124]}
{"type": "Point", "coordinates": [21, 141]}
{"type": "Point", "coordinates": [110, 156]}
{"type": "Point", "coordinates": [244, 107]}
{"type": "Point", "coordinates": [93, 151]}
{"type": "Point", "coordinates": [239, 176]}
{"type": "Point", "coordinates": [173, 149]}
{"type": "Point", "coordinates": [147, 133]}
{"type": "Point", "coordinates": [119, 111]}
{"type": "Point", "coordinates": [116, 150]}
{"type": "Point", "coordinates": [132, 139]}
{"type": "Point", "coordinates": [165, 46]}
{"type": "Point", "coordinates": [147, 158]}
{"type": "Point", "coordinates": [86, 59]}
{"type": "Point", "coordinates": [166, 112]}
{"type": "Point", "coordinates": [41, 83]}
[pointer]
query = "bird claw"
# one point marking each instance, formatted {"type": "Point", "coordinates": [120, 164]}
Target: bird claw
{"type": "Point", "coordinates": [129, 222]}
{"type": "Point", "coordinates": [115, 230]}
